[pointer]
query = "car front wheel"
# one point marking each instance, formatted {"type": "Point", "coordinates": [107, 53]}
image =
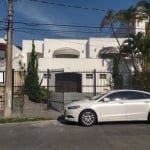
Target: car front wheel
{"type": "Point", "coordinates": [87, 118]}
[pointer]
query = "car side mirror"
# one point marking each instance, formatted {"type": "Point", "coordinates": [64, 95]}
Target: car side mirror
{"type": "Point", "coordinates": [106, 99]}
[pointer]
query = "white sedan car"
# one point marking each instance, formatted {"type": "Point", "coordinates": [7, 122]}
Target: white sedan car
{"type": "Point", "coordinates": [117, 105]}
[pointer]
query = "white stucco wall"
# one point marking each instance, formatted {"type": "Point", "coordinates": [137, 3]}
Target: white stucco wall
{"type": "Point", "coordinates": [96, 44]}
{"type": "Point", "coordinates": [50, 45]}
{"type": "Point", "coordinates": [27, 48]}
{"type": "Point", "coordinates": [81, 66]}
{"type": "Point", "coordinates": [16, 57]}
{"type": "Point", "coordinates": [71, 65]}
{"type": "Point", "coordinates": [87, 48]}
{"type": "Point", "coordinates": [141, 25]}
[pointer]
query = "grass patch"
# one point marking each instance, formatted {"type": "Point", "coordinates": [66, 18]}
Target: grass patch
{"type": "Point", "coordinates": [17, 120]}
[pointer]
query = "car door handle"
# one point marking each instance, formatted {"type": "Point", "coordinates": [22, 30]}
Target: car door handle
{"type": "Point", "coordinates": [121, 102]}
{"type": "Point", "coordinates": [146, 101]}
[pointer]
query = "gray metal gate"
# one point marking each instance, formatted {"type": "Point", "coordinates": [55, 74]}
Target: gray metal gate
{"type": "Point", "coordinates": [55, 98]}
{"type": "Point", "coordinates": [17, 90]}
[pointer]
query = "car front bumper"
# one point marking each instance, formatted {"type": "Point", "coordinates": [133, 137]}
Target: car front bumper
{"type": "Point", "coordinates": [71, 114]}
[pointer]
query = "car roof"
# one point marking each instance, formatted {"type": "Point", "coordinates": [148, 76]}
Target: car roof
{"type": "Point", "coordinates": [132, 90]}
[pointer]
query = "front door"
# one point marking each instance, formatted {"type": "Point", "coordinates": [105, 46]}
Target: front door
{"type": "Point", "coordinates": [113, 110]}
{"type": "Point", "coordinates": [68, 82]}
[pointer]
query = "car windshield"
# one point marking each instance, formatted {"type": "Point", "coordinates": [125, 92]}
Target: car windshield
{"type": "Point", "coordinates": [94, 98]}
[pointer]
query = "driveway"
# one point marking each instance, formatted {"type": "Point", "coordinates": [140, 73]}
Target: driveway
{"type": "Point", "coordinates": [53, 135]}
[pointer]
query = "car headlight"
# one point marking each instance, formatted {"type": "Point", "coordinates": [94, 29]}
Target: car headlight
{"type": "Point", "coordinates": [73, 107]}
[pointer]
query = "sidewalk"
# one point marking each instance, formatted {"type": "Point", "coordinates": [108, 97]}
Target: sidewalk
{"type": "Point", "coordinates": [35, 110]}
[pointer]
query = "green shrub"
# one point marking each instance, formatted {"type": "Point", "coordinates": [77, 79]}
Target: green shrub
{"type": "Point", "coordinates": [32, 85]}
{"type": "Point", "coordinates": [141, 81]}
{"type": "Point", "coordinates": [43, 95]}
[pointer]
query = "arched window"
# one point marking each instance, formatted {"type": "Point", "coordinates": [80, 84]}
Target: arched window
{"type": "Point", "coordinates": [66, 52]}
{"type": "Point", "coordinates": [108, 52]}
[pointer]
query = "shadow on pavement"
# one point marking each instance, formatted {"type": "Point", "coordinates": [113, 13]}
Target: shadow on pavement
{"type": "Point", "coordinates": [62, 120]}
{"type": "Point", "coordinates": [123, 123]}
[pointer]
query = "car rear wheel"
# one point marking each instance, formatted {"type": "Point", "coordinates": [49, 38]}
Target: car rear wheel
{"type": "Point", "coordinates": [87, 118]}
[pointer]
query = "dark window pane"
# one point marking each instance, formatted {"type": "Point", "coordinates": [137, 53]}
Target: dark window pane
{"type": "Point", "coordinates": [137, 95]}
{"type": "Point", "coordinates": [103, 76]}
{"type": "Point", "coordinates": [89, 76]}
{"type": "Point", "coordinates": [116, 96]}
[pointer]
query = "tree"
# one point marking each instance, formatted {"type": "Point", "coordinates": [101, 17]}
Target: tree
{"type": "Point", "coordinates": [137, 47]}
{"type": "Point", "coordinates": [126, 16]}
{"type": "Point", "coordinates": [32, 80]}
{"type": "Point", "coordinates": [122, 17]}
{"type": "Point", "coordinates": [144, 48]}
{"type": "Point", "coordinates": [143, 7]}
{"type": "Point", "coordinates": [109, 20]}
{"type": "Point", "coordinates": [117, 77]}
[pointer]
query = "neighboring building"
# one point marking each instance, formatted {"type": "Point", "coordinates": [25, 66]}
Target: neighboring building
{"type": "Point", "coordinates": [16, 58]}
{"type": "Point", "coordinates": [16, 55]}
{"type": "Point", "coordinates": [142, 24]}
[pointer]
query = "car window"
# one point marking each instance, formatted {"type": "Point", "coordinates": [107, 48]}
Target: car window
{"type": "Point", "coordinates": [116, 96]}
{"type": "Point", "coordinates": [135, 95]}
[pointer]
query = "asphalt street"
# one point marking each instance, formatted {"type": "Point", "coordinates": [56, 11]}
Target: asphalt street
{"type": "Point", "coordinates": [54, 135]}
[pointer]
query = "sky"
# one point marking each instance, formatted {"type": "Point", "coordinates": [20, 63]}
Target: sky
{"type": "Point", "coordinates": [59, 19]}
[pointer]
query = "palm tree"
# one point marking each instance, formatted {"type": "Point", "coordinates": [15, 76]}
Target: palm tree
{"type": "Point", "coordinates": [143, 6]}
{"type": "Point", "coordinates": [122, 16]}
{"type": "Point", "coordinates": [131, 48]}
{"type": "Point", "coordinates": [128, 17]}
{"type": "Point", "coordinates": [137, 47]}
{"type": "Point", "coordinates": [109, 20]}
{"type": "Point", "coordinates": [144, 47]}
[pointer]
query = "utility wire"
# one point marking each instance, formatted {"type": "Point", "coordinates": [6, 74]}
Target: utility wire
{"type": "Point", "coordinates": [50, 24]}
{"type": "Point", "coordinates": [68, 5]}
{"type": "Point", "coordinates": [37, 29]}
{"type": "Point", "coordinates": [66, 25]}
{"type": "Point", "coordinates": [47, 32]}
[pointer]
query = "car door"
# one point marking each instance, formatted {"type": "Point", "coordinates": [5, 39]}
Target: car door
{"type": "Point", "coordinates": [137, 105]}
{"type": "Point", "coordinates": [114, 109]}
